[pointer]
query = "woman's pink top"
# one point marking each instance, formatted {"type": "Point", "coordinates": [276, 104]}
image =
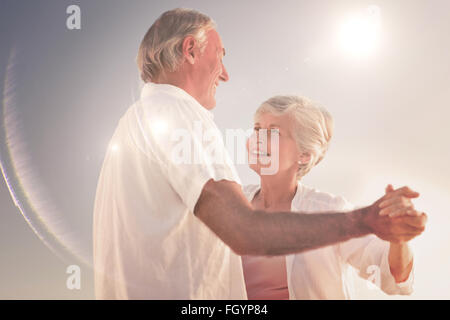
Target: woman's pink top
{"type": "Point", "coordinates": [265, 277]}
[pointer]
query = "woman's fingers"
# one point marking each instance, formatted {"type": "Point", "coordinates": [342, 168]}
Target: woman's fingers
{"type": "Point", "coordinates": [395, 200]}
{"type": "Point", "coordinates": [403, 191]}
{"type": "Point", "coordinates": [398, 204]}
{"type": "Point", "coordinates": [399, 212]}
{"type": "Point", "coordinates": [389, 188]}
{"type": "Point", "coordinates": [414, 213]}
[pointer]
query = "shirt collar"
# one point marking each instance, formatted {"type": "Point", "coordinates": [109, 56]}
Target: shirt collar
{"type": "Point", "coordinates": [295, 204]}
{"type": "Point", "coordinates": [150, 88]}
{"type": "Point", "coordinates": [297, 197]}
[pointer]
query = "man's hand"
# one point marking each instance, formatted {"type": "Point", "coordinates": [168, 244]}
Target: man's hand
{"type": "Point", "coordinates": [397, 221]}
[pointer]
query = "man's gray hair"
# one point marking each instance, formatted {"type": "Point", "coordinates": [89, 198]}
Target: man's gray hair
{"type": "Point", "coordinates": [312, 126]}
{"type": "Point", "coordinates": [161, 49]}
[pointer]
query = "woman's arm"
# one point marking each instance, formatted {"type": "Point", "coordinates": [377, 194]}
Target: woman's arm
{"type": "Point", "coordinates": [400, 261]}
{"type": "Point", "coordinates": [393, 259]}
{"type": "Point", "coordinates": [400, 255]}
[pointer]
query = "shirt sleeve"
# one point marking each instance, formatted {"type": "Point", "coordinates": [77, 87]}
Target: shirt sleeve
{"type": "Point", "coordinates": [186, 143]}
{"type": "Point", "coordinates": [369, 255]}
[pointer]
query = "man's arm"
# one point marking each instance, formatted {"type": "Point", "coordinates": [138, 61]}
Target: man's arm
{"type": "Point", "coordinates": [223, 207]}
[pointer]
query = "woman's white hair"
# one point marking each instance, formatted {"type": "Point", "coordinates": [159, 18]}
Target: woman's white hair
{"type": "Point", "coordinates": [161, 49]}
{"type": "Point", "coordinates": [312, 126]}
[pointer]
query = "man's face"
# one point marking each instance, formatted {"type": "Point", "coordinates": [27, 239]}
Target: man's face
{"type": "Point", "coordinates": [210, 70]}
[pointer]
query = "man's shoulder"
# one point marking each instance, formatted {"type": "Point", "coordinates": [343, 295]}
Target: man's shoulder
{"type": "Point", "coordinates": [162, 100]}
{"type": "Point", "coordinates": [172, 102]}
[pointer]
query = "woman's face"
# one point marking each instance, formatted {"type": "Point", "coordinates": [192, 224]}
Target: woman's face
{"type": "Point", "coordinates": [266, 151]}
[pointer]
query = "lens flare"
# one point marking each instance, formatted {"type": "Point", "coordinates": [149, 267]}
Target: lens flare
{"type": "Point", "coordinates": [24, 183]}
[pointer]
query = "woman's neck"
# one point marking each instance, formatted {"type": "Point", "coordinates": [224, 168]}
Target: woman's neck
{"type": "Point", "coordinates": [277, 189]}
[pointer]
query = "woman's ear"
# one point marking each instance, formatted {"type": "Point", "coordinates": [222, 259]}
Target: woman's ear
{"type": "Point", "coordinates": [189, 49]}
{"type": "Point", "coordinates": [304, 158]}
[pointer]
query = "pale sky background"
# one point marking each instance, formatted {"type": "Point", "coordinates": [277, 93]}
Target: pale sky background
{"type": "Point", "coordinates": [63, 92]}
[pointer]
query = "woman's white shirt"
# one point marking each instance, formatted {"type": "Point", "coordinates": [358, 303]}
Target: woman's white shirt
{"type": "Point", "coordinates": [326, 273]}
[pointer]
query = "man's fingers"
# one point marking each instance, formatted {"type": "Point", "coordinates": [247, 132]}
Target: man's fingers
{"type": "Point", "coordinates": [403, 227]}
{"type": "Point", "coordinates": [401, 223]}
{"type": "Point", "coordinates": [416, 221]}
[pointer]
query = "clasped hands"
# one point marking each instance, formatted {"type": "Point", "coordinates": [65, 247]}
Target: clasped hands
{"type": "Point", "coordinates": [393, 217]}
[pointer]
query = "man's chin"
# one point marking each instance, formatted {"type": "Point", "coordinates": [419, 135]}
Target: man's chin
{"type": "Point", "coordinates": [210, 105]}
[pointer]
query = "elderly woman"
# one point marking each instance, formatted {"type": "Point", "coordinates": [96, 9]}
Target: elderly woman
{"type": "Point", "coordinates": [304, 132]}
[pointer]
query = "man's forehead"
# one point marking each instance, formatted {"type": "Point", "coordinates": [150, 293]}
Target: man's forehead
{"type": "Point", "coordinates": [215, 37]}
{"type": "Point", "coordinates": [220, 48]}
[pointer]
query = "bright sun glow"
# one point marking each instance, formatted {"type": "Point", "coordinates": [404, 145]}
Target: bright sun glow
{"type": "Point", "coordinates": [115, 147]}
{"type": "Point", "coordinates": [359, 34]}
{"type": "Point", "coordinates": [159, 126]}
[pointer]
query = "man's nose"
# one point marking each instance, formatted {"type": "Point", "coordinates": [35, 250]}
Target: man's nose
{"type": "Point", "coordinates": [224, 75]}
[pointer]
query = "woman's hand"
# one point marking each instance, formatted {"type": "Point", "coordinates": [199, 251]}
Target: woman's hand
{"type": "Point", "coordinates": [397, 205]}
{"type": "Point", "coordinates": [400, 255]}
{"type": "Point", "coordinates": [404, 225]}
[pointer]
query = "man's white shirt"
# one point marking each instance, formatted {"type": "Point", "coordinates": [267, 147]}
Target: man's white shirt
{"type": "Point", "coordinates": [147, 242]}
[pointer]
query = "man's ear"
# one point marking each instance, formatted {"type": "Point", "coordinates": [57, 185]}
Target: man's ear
{"type": "Point", "coordinates": [189, 53]}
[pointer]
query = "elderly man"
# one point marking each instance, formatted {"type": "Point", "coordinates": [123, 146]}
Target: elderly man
{"type": "Point", "coordinates": [165, 229]}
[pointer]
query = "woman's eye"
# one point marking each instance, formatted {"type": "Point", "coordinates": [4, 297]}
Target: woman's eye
{"type": "Point", "coordinates": [275, 131]}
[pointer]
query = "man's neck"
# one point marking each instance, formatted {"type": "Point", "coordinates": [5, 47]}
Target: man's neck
{"type": "Point", "coordinates": [180, 80]}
